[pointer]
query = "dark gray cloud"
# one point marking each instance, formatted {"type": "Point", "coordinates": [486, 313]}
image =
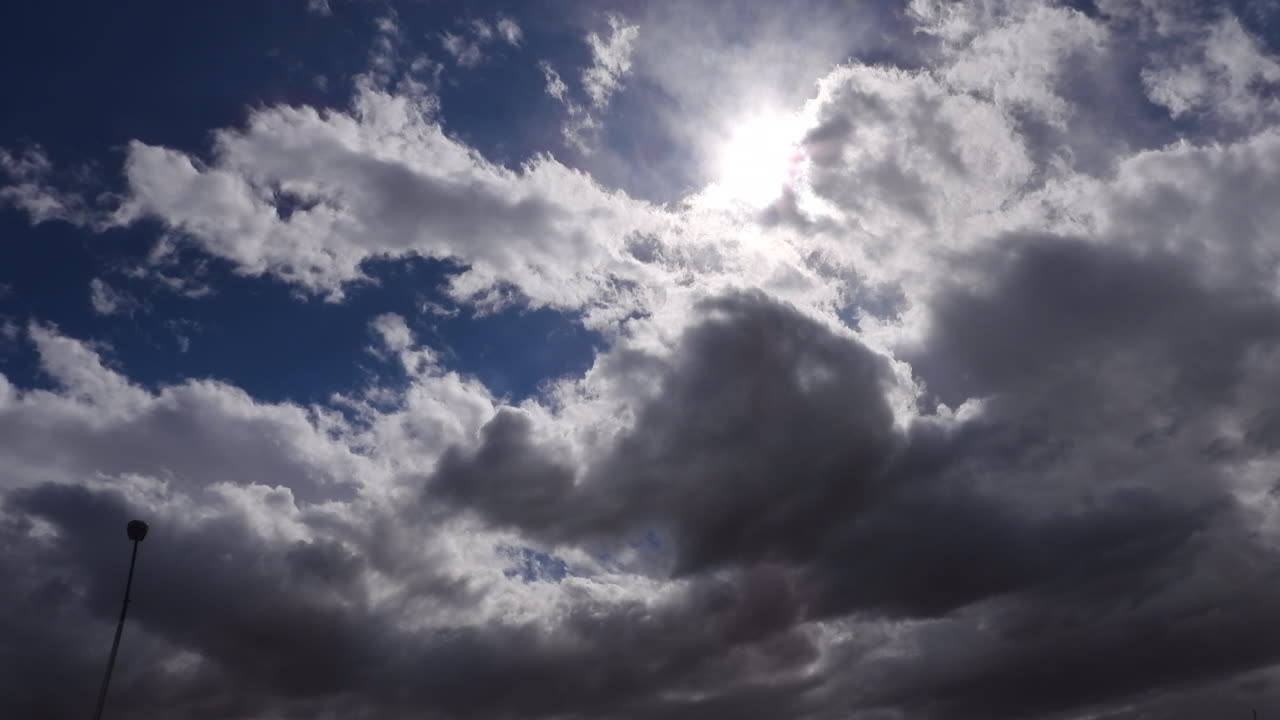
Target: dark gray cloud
{"type": "Point", "coordinates": [1068, 535]}
{"type": "Point", "coordinates": [1057, 309]}
{"type": "Point", "coordinates": [1079, 542]}
{"type": "Point", "coordinates": [1112, 543]}
{"type": "Point", "coordinates": [764, 422]}
{"type": "Point", "coordinates": [287, 627]}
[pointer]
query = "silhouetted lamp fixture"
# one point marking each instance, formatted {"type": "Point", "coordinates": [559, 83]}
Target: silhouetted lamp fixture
{"type": "Point", "coordinates": [137, 530]}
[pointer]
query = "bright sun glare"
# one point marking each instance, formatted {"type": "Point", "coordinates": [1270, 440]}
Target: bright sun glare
{"type": "Point", "coordinates": [760, 156]}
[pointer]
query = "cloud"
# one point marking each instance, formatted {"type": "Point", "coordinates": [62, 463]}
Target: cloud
{"type": "Point", "coordinates": [249, 582]}
{"type": "Point", "coordinates": [413, 77]}
{"type": "Point", "coordinates": [555, 85]}
{"type": "Point", "coordinates": [974, 421]}
{"type": "Point", "coordinates": [1102, 420]}
{"type": "Point", "coordinates": [610, 60]}
{"type": "Point", "coordinates": [250, 507]}
{"type": "Point", "coordinates": [206, 432]}
{"type": "Point", "coordinates": [466, 54]}
{"type": "Point", "coordinates": [701, 70]}
{"type": "Point", "coordinates": [610, 64]}
{"type": "Point", "coordinates": [466, 47]}
{"type": "Point", "coordinates": [33, 186]}
{"type": "Point", "coordinates": [669, 472]}
{"type": "Point", "coordinates": [580, 124]}
{"type": "Point", "coordinates": [384, 181]}
{"type": "Point", "coordinates": [319, 7]}
{"type": "Point", "coordinates": [394, 332]}
{"type": "Point", "coordinates": [107, 300]}
{"type": "Point", "coordinates": [509, 30]}
{"type": "Point", "coordinates": [1224, 74]}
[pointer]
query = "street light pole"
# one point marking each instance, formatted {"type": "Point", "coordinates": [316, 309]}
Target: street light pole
{"type": "Point", "coordinates": [137, 530]}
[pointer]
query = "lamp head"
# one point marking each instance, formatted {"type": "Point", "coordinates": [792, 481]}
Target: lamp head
{"type": "Point", "coordinates": [137, 530]}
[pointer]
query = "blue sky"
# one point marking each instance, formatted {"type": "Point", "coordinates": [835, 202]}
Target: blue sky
{"type": "Point", "coordinates": [169, 75]}
{"type": "Point", "coordinates": [829, 359]}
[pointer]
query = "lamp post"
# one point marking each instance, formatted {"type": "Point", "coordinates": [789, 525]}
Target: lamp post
{"type": "Point", "coordinates": [137, 530]}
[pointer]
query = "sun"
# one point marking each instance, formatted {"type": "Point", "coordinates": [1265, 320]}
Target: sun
{"type": "Point", "coordinates": [759, 157]}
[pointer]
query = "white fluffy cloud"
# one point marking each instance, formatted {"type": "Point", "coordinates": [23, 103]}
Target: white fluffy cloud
{"type": "Point", "coordinates": [308, 196]}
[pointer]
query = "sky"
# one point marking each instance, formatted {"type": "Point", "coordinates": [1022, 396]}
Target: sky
{"type": "Point", "coordinates": [819, 360]}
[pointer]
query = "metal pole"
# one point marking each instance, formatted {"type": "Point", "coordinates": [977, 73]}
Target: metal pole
{"type": "Point", "coordinates": [115, 644]}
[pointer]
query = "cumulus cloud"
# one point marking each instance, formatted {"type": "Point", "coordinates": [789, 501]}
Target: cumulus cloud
{"type": "Point", "coordinates": [973, 421]}
{"type": "Point", "coordinates": [386, 181]}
